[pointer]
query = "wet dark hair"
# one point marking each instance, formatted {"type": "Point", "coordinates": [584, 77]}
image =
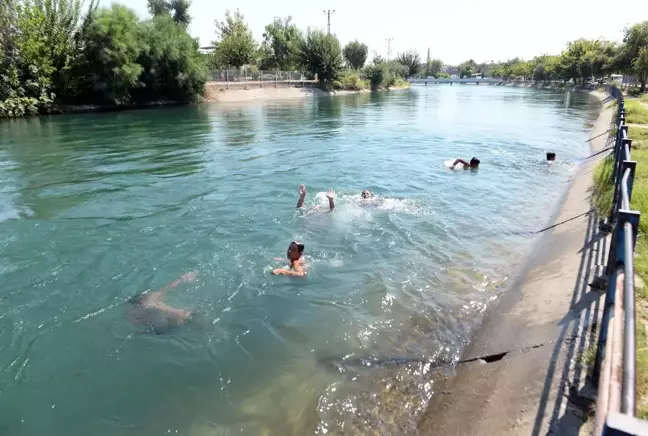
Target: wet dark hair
{"type": "Point", "coordinates": [300, 247]}
{"type": "Point", "coordinates": [474, 162]}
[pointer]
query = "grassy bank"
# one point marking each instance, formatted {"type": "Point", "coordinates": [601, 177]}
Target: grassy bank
{"type": "Point", "coordinates": [604, 190]}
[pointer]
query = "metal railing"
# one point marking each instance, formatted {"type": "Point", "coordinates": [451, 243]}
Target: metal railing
{"type": "Point", "coordinates": [248, 78]}
{"type": "Point", "coordinates": [615, 365]}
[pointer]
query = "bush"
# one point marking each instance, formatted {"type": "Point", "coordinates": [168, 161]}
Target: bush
{"type": "Point", "coordinates": [351, 81]}
{"type": "Point", "coordinates": [378, 75]}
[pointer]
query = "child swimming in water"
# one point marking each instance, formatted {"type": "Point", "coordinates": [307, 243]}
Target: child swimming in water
{"type": "Point", "coordinates": [366, 195]}
{"type": "Point", "coordinates": [473, 164]}
{"type": "Point", "coordinates": [294, 254]}
{"type": "Point", "coordinates": [147, 309]}
{"type": "Point", "coordinates": [302, 196]}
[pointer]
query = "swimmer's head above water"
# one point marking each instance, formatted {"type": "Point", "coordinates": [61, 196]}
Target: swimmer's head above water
{"type": "Point", "coordinates": [295, 251]}
{"type": "Point", "coordinates": [474, 162]}
{"type": "Point", "coordinates": [366, 194]}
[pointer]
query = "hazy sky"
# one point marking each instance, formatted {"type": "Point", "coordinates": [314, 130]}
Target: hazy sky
{"type": "Point", "coordinates": [454, 30]}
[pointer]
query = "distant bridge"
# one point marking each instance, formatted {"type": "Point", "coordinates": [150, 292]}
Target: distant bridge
{"type": "Point", "coordinates": [474, 80]}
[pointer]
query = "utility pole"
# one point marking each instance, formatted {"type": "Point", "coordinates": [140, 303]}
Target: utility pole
{"type": "Point", "coordinates": [389, 41]}
{"type": "Point", "coordinates": [328, 15]}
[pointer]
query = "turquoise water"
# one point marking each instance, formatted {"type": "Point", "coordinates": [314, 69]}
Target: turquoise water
{"type": "Point", "coordinates": [97, 208]}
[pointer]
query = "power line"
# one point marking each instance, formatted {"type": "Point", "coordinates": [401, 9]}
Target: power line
{"type": "Point", "coordinates": [328, 14]}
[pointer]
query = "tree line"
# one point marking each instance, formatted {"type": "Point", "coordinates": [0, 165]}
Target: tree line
{"type": "Point", "coordinates": [58, 52]}
{"type": "Point", "coordinates": [581, 61]}
{"type": "Point", "coordinates": [285, 47]}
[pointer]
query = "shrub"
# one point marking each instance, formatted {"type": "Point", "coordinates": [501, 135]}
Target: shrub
{"type": "Point", "coordinates": [351, 81]}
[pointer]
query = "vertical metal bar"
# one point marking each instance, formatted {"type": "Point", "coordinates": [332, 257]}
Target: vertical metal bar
{"type": "Point", "coordinates": [616, 174]}
{"type": "Point", "coordinates": [227, 79]}
{"type": "Point", "coordinates": [629, 338]}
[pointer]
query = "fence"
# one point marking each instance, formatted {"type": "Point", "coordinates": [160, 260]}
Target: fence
{"type": "Point", "coordinates": [615, 365]}
{"type": "Point", "coordinates": [246, 78]}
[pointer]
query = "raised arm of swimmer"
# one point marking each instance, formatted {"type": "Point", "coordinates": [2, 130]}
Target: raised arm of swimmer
{"type": "Point", "coordinates": [302, 196]}
{"type": "Point", "coordinates": [460, 161]}
{"type": "Point", "coordinates": [331, 195]}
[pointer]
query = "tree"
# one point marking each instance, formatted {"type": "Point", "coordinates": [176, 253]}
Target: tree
{"type": "Point", "coordinates": [321, 54]}
{"type": "Point", "coordinates": [634, 39]}
{"type": "Point", "coordinates": [467, 69]}
{"type": "Point", "coordinates": [411, 60]}
{"type": "Point", "coordinates": [180, 9]}
{"type": "Point", "coordinates": [355, 54]}
{"type": "Point", "coordinates": [281, 44]}
{"type": "Point", "coordinates": [114, 43]}
{"type": "Point", "coordinates": [158, 8]}
{"type": "Point", "coordinates": [640, 66]}
{"type": "Point", "coordinates": [181, 12]}
{"type": "Point", "coordinates": [433, 67]}
{"type": "Point", "coordinates": [235, 46]}
{"type": "Point", "coordinates": [172, 66]}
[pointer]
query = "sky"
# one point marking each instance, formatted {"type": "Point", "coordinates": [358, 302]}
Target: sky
{"type": "Point", "coordinates": [453, 30]}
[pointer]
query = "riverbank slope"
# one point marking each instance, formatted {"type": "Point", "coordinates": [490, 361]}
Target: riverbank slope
{"type": "Point", "coordinates": [525, 372]}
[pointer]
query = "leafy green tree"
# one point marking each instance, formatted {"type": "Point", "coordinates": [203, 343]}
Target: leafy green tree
{"type": "Point", "coordinates": [114, 43]}
{"type": "Point", "coordinates": [159, 7]}
{"type": "Point", "coordinates": [180, 9]}
{"type": "Point", "coordinates": [281, 45]}
{"type": "Point", "coordinates": [8, 17]}
{"type": "Point", "coordinates": [355, 54]}
{"type": "Point", "coordinates": [181, 12]}
{"type": "Point", "coordinates": [433, 67]}
{"type": "Point", "coordinates": [467, 69]}
{"type": "Point", "coordinates": [321, 54]}
{"type": "Point", "coordinates": [378, 75]}
{"type": "Point", "coordinates": [635, 38]}
{"type": "Point", "coordinates": [51, 39]}
{"type": "Point", "coordinates": [172, 66]}
{"type": "Point", "coordinates": [640, 67]}
{"type": "Point", "coordinates": [235, 45]}
{"type": "Point", "coordinates": [411, 60]}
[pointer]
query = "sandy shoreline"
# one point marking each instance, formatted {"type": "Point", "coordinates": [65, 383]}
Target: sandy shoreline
{"type": "Point", "coordinates": [216, 94]}
{"type": "Point", "coordinates": [523, 370]}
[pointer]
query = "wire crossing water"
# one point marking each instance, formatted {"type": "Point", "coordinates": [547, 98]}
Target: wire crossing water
{"type": "Point", "coordinates": [97, 208]}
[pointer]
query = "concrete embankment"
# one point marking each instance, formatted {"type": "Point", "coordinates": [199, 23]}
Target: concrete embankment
{"type": "Point", "coordinates": [525, 371]}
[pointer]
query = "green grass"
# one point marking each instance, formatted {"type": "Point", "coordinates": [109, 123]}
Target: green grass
{"type": "Point", "coordinates": [644, 98]}
{"type": "Point", "coordinates": [639, 137]}
{"type": "Point", "coordinates": [635, 112]}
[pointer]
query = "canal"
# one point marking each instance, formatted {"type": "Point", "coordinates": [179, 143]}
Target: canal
{"type": "Point", "coordinates": [97, 208]}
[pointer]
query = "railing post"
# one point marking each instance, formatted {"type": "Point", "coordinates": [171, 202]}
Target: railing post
{"type": "Point", "coordinates": [632, 166]}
